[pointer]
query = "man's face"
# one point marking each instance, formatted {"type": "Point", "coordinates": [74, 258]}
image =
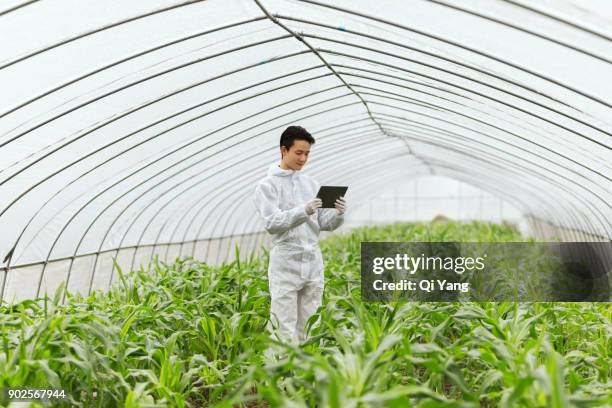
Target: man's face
{"type": "Point", "coordinates": [297, 156]}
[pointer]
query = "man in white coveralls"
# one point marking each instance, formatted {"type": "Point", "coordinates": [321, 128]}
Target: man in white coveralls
{"type": "Point", "coordinates": [286, 200]}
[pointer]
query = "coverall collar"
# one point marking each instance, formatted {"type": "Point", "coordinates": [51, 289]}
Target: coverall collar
{"type": "Point", "coordinates": [275, 170]}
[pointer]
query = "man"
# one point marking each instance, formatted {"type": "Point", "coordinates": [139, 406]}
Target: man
{"type": "Point", "coordinates": [286, 200]}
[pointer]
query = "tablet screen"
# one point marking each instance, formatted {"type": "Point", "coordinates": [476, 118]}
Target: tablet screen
{"type": "Point", "coordinates": [329, 195]}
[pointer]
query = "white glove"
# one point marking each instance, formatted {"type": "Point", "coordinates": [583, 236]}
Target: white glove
{"type": "Point", "coordinates": [340, 205]}
{"type": "Point", "coordinates": [312, 205]}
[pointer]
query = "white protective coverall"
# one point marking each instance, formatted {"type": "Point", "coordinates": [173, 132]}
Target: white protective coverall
{"type": "Point", "coordinates": [295, 271]}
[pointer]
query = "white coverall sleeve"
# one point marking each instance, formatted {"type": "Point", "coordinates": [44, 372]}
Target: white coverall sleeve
{"type": "Point", "coordinates": [329, 219]}
{"type": "Point", "coordinates": [277, 221]}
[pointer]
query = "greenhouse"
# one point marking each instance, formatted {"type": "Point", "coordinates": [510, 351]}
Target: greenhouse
{"type": "Point", "coordinates": [192, 194]}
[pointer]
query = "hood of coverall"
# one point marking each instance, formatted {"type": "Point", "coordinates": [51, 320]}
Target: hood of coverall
{"type": "Point", "coordinates": [275, 170]}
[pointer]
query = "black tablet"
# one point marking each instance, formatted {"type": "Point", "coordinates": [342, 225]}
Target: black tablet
{"type": "Point", "coordinates": [329, 195]}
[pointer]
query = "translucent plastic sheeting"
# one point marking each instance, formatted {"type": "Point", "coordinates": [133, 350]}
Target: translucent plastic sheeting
{"type": "Point", "coordinates": [132, 126]}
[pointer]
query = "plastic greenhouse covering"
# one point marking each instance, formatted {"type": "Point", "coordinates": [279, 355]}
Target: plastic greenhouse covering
{"type": "Point", "coordinates": [135, 128]}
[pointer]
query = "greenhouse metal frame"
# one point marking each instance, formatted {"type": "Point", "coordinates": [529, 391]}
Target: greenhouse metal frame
{"type": "Point", "coordinates": [141, 128]}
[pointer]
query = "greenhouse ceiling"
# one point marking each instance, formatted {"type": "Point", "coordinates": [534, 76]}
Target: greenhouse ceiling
{"type": "Point", "coordinates": [143, 125]}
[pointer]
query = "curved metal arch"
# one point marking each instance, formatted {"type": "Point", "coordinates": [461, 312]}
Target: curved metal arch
{"type": "Point", "coordinates": [428, 53]}
{"type": "Point", "coordinates": [569, 219]}
{"type": "Point", "coordinates": [169, 167]}
{"type": "Point", "coordinates": [559, 19]}
{"type": "Point", "coordinates": [478, 182]}
{"type": "Point", "coordinates": [288, 30]}
{"type": "Point", "coordinates": [119, 247]}
{"type": "Point", "coordinates": [97, 30]}
{"type": "Point", "coordinates": [384, 64]}
{"type": "Point", "coordinates": [182, 147]}
{"type": "Point", "coordinates": [254, 220]}
{"type": "Point", "coordinates": [542, 132]}
{"type": "Point", "coordinates": [240, 179]}
{"type": "Point", "coordinates": [153, 76]}
{"type": "Point", "coordinates": [592, 126]}
{"type": "Point", "coordinates": [319, 56]}
{"type": "Point", "coordinates": [470, 148]}
{"type": "Point", "coordinates": [551, 182]}
{"type": "Point", "coordinates": [419, 137]}
{"type": "Point", "coordinates": [327, 136]}
{"type": "Point", "coordinates": [143, 142]}
{"type": "Point", "coordinates": [462, 172]}
{"type": "Point", "coordinates": [510, 128]}
{"type": "Point", "coordinates": [342, 106]}
{"type": "Point", "coordinates": [244, 175]}
{"type": "Point", "coordinates": [331, 169]}
{"type": "Point", "coordinates": [16, 7]}
{"type": "Point", "coordinates": [534, 190]}
{"type": "Point", "coordinates": [605, 202]}
{"type": "Point", "coordinates": [208, 216]}
{"type": "Point", "coordinates": [158, 234]}
{"type": "Point", "coordinates": [180, 90]}
{"type": "Point", "coordinates": [140, 129]}
{"type": "Point", "coordinates": [570, 215]}
{"type": "Point", "coordinates": [406, 79]}
{"type": "Point", "coordinates": [316, 51]}
{"type": "Point", "coordinates": [134, 83]}
{"type": "Point", "coordinates": [365, 183]}
{"type": "Point", "coordinates": [596, 210]}
{"type": "Point", "coordinates": [441, 81]}
{"type": "Point", "coordinates": [496, 190]}
{"type": "Point", "coordinates": [409, 88]}
{"type": "Point", "coordinates": [542, 200]}
{"type": "Point", "coordinates": [525, 111]}
{"type": "Point", "coordinates": [425, 127]}
{"type": "Point", "coordinates": [463, 47]}
{"type": "Point", "coordinates": [521, 29]}
{"type": "Point", "coordinates": [461, 175]}
{"type": "Point", "coordinates": [487, 136]}
{"type": "Point", "coordinates": [376, 62]}
{"type": "Point", "coordinates": [125, 59]}
{"type": "Point", "coordinates": [239, 182]}
{"type": "Point", "coordinates": [447, 110]}
{"type": "Point", "coordinates": [332, 127]}
{"type": "Point", "coordinates": [184, 211]}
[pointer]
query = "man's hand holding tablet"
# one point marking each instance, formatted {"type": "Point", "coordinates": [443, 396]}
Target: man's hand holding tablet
{"type": "Point", "coordinates": [333, 197]}
{"type": "Point", "coordinates": [340, 205]}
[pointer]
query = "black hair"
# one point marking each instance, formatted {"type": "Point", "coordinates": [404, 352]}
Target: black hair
{"type": "Point", "coordinates": [293, 133]}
